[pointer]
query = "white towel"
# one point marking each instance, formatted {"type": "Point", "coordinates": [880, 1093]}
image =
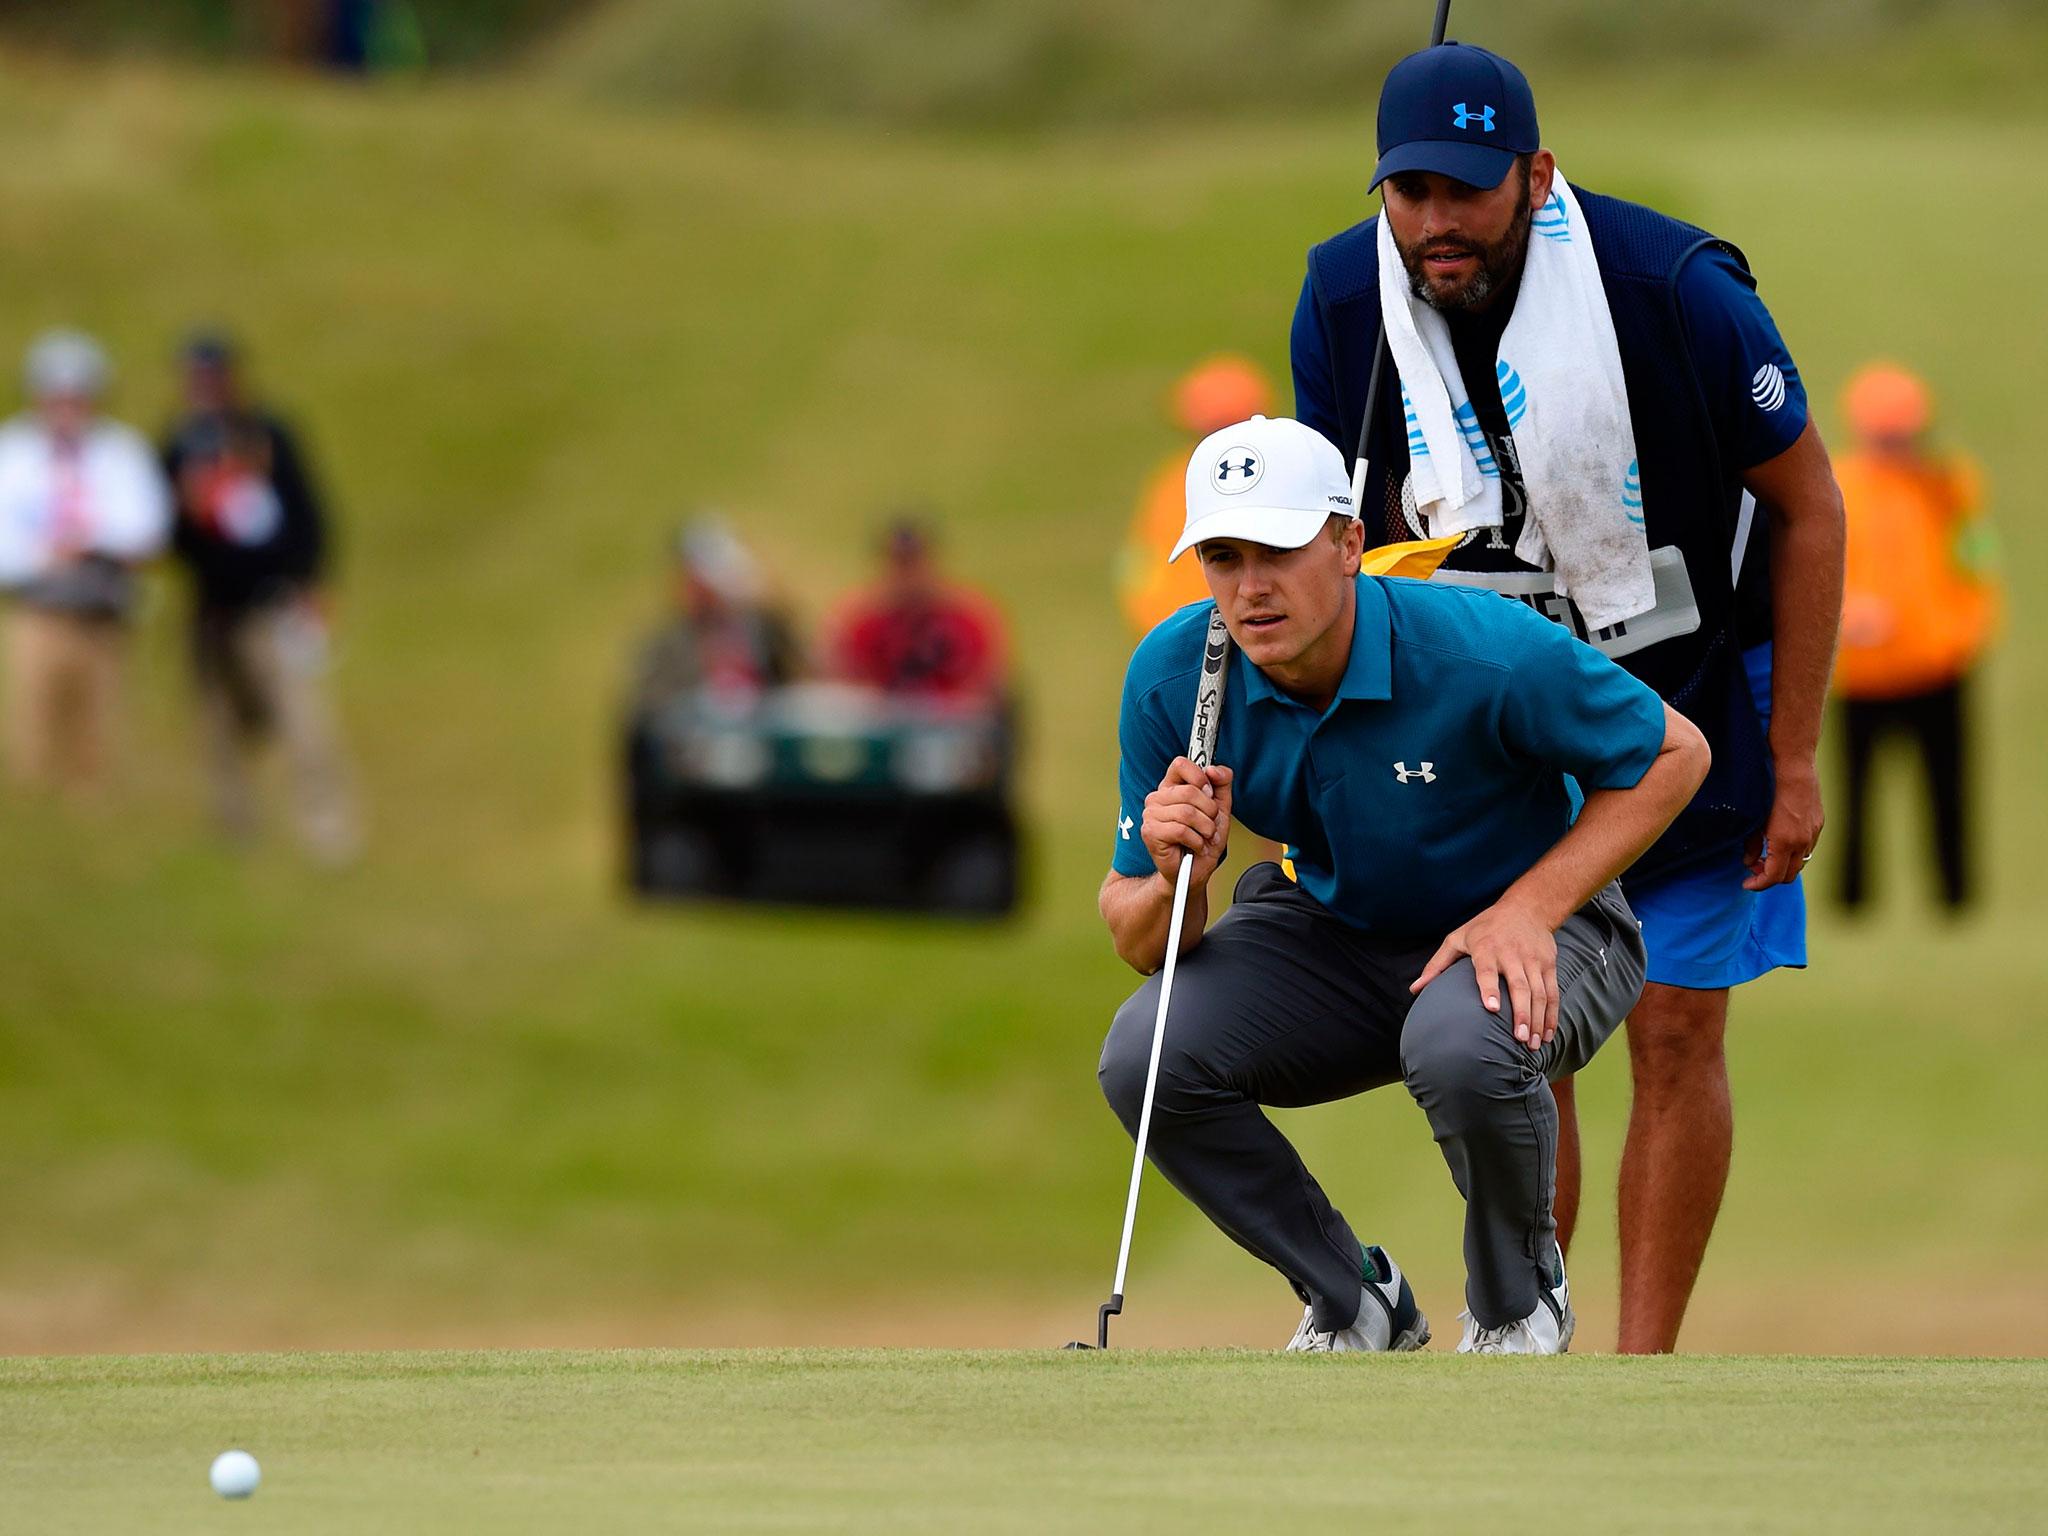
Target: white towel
{"type": "Point", "coordinates": [1560, 379]}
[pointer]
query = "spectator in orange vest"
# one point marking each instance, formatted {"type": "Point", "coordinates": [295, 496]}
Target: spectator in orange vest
{"type": "Point", "coordinates": [1920, 606]}
{"type": "Point", "coordinates": [1223, 390]}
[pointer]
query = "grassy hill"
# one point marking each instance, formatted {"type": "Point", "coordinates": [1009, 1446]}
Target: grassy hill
{"type": "Point", "coordinates": [1011, 62]}
{"type": "Point", "coordinates": [1003, 63]}
{"type": "Point", "coordinates": [465, 1092]}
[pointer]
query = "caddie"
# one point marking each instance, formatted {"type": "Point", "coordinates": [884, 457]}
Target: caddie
{"type": "Point", "coordinates": [1450, 925]}
{"type": "Point", "coordinates": [1591, 399]}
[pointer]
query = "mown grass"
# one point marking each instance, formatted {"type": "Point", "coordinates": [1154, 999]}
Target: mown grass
{"type": "Point", "coordinates": [467, 1087]}
{"type": "Point", "coordinates": [917, 1441]}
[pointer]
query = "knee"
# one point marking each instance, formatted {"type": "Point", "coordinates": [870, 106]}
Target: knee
{"type": "Point", "coordinates": [1675, 1040]}
{"type": "Point", "coordinates": [1188, 1077]}
{"type": "Point", "coordinates": [1127, 1053]}
{"type": "Point", "coordinates": [1457, 1057]}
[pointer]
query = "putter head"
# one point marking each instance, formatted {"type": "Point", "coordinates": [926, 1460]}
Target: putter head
{"type": "Point", "coordinates": [1103, 1314]}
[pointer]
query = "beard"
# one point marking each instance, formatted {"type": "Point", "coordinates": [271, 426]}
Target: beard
{"type": "Point", "coordinates": [1498, 263]}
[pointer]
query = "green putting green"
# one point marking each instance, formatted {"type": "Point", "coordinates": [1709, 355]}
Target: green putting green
{"type": "Point", "coordinates": [915, 1441]}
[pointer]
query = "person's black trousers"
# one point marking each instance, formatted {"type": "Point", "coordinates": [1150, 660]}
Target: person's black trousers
{"type": "Point", "coordinates": [1935, 723]}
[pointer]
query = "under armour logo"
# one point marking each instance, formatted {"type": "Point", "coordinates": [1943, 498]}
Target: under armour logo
{"type": "Point", "coordinates": [1123, 828]}
{"type": "Point", "coordinates": [1426, 773]}
{"type": "Point", "coordinates": [1464, 117]}
{"type": "Point", "coordinates": [1239, 467]}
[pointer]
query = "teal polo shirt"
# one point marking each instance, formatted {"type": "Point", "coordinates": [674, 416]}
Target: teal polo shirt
{"type": "Point", "coordinates": [1437, 775]}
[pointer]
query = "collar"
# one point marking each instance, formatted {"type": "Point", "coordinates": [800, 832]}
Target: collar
{"type": "Point", "coordinates": [1369, 674]}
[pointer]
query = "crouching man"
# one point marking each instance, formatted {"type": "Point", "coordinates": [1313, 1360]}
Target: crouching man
{"type": "Point", "coordinates": [1445, 922]}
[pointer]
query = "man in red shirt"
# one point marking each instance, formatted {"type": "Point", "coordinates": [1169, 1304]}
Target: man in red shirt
{"type": "Point", "coordinates": [914, 633]}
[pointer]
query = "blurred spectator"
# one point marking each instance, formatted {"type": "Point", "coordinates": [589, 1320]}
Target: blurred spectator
{"type": "Point", "coordinates": [723, 635]}
{"type": "Point", "coordinates": [81, 504]}
{"type": "Point", "coordinates": [1920, 605]}
{"type": "Point", "coordinates": [914, 633]}
{"type": "Point", "coordinates": [1216, 393]}
{"type": "Point", "coordinates": [252, 534]}
{"type": "Point", "coordinates": [372, 36]}
{"type": "Point", "coordinates": [351, 28]}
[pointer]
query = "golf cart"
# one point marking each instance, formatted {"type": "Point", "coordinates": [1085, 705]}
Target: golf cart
{"type": "Point", "coordinates": [824, 794]}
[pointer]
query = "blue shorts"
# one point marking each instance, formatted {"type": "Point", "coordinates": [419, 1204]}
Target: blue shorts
{"type": "Point", "coordinates": [1702, 929]}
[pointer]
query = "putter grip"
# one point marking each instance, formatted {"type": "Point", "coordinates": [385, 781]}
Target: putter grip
{"type": "Point", "coordinates": [1209, 693]}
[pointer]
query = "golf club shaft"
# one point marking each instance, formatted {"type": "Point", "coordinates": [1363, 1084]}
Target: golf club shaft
{"type": "Point", "coordinates": [1180, 909]}
{"type": "Point", "coordinates": [1359, 464]}
{"type": "Point", "coordinates": [1202, 749]}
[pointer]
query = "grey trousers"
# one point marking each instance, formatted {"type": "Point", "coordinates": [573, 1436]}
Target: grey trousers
{"type": "Point", "coordinates": [1284, 1005]}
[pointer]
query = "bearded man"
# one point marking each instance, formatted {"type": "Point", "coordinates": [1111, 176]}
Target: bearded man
{"type": "Point", "coordinates": [1596, 404]}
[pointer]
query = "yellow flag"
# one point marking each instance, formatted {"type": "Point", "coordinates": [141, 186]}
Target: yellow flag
{"type": "Point", "coordinates": [1418, 558]}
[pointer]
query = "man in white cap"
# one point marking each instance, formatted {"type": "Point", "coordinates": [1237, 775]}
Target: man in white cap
{"type": "Point", "coordinates": [82, 502]}
{"type": "Point", "coordinates": [1448, 922]}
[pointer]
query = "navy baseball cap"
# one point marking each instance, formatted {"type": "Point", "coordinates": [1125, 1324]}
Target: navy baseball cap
{"type": "Point", "coordinates": [208, 349]}
{"type": "Point", "coordinates": [1461, 112]}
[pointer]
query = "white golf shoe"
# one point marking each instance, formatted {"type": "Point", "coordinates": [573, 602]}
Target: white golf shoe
{"type": "Point", "coordinates": [1388, 1318]}
{"type": "Point", "coordinates": [1546, 1331]}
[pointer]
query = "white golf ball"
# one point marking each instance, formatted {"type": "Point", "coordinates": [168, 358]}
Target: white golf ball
{"type": "Point", "coordinates": [235, 1474]}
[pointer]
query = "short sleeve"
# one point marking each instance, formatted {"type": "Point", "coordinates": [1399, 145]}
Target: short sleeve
{"type": "Point", "coordinates": [1145, 748]}
{"type": "Point", "coordinates": [1572, 708]}
{"type": "Point", "coordinates": [1754, 393]}
{"type": "Point", "coordinates": [1315, 391]}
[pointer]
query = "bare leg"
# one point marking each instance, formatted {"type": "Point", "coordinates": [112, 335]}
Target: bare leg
{"type": "Point", "coordinates": [1565, 1206]}
{"type": "Point", "coordinates": [1674, 1165]}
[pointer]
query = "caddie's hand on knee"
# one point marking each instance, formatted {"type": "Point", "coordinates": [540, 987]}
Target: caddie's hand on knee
{"type": "Point", "coordinates": [1188, 815]}
{"type": "Point", "coordinates": [1511, 952]}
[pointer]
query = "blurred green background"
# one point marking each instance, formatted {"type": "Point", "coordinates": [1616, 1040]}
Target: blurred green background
{"type": "Point", "coordinates": [578, 268]}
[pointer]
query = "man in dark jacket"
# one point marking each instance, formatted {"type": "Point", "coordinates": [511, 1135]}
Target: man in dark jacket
{"type": "Point", "coordinates": [253, 535]}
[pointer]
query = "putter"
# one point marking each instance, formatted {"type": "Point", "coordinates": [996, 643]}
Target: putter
{"type": "Point", "coordinates": [1202, 749]}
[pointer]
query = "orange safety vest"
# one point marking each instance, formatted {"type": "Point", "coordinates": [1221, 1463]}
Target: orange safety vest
{"type": "Point", "coordinates": [1914, 615]}
{"type": "Point", "coordinates": [1149, 587]}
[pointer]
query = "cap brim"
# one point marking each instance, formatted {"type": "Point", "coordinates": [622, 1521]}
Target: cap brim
{"type": "Point", "coordinates": [1274, 527]}
{"type": "Point", "coordinates": [1477, 165]}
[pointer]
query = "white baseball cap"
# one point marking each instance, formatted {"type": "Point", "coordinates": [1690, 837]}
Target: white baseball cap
{"type": "Point", "coordinates": [65, 363]}
{"type": "Point", "coordinates": [1270, 480]}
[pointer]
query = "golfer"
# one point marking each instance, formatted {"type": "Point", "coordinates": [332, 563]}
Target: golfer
{"type": "Point", "coordinates": [1449, 924]}
{"type": "Point", "coordinates": [1591, 401]}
